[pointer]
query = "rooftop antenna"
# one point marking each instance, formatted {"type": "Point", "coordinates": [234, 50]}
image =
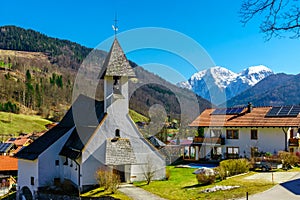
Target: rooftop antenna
{"type": "Point", "coordinates": [115, 26]}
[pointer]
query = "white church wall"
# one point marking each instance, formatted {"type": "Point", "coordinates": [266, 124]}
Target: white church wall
{"type": "Point", "coordinates": [27, 170]}
{"type": "Point", "coordinates": [47, 168]}
{"type": "Point", "coordinates": [94, 154]}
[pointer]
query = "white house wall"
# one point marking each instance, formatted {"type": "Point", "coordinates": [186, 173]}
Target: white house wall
{"type": "Point", "coordinates": [269, 140]}
{"type": "Point", "coordinates": [26, 170]}
{"type": "Point", "coordinates": [47, 168]}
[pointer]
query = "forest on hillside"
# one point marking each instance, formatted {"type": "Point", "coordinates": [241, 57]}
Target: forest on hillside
{"type": "Point", "coordinates": [63, 53]}
{"type": "Point", "coordinates": [34, 86]}
{"type": "Point", "coordinates": [37, 74]}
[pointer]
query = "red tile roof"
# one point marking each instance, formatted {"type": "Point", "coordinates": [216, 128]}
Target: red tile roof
{"type": "Point", "coordinates": [8, 163]}
{"type": "Point", "coordinates": [21, 141]}
{"type": "Point", "coordinates": [257, 118]}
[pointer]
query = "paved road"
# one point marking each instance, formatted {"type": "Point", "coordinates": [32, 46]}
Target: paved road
{"type": "Point", "coordinates": [288, 190]}
{"type": "Point", "coordinates": [137, 193]}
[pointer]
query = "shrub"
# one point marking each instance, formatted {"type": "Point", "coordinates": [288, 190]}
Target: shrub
{"type": "Point", "coordinates": [220, 173]}
{"type": "Point", "coordinates": [288, 159]}
{"type": "Point", "coordinates": [205, 179]}
{"type": "Point", "coordinates": [107, 179]}
{"type": "Point", "coordinates": [233, 167]}
{"type": "Point", "coordinates": [168, 174]}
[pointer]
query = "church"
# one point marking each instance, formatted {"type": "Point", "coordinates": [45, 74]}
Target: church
{"type": "Point", "coordinates": [92, 134]}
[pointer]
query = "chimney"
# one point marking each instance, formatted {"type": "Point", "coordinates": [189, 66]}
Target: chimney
{"type": "Point", "coordinates": [250, 107]}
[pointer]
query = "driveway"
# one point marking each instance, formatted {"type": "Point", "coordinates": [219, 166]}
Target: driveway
{"type": "Point", "coordinates": [137, 193]}
{"type": "Point", "coordinates": [288, 187]}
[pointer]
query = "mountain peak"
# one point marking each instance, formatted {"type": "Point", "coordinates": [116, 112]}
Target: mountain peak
{"type": "Point", "coordinates": [219, 80]}
{"type": "Point", "coordinates": [254, 74]}
{"type": "Point", "coordinates": [256, 69]}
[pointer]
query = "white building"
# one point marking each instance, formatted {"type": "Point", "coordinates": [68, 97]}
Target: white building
{"type": "Point", "coordinates": [92, 134]}
{"type": "Point", "coordinates": [242, 132]}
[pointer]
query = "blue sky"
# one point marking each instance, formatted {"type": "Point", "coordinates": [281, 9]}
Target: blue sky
{"type": "Point", "coordinates": [213, 24]}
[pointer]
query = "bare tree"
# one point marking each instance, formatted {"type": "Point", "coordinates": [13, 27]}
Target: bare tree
{"type": "Point", "coordinates": [148, 169]}
{"type": "Point", "coordinates": [281, 18]}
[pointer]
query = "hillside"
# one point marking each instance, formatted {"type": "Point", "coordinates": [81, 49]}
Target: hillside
{"type": "Point", "coordinates": [62, 53]}
{"type": "Point", "coordinates": [14, 124]}
{"type": "Point", "coordinates": [38, 76]}
{"type": "Point", "coordinates": [277, 89]}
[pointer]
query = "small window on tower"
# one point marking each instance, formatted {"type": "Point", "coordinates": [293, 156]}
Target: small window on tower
{"type": "Point", "coordinates": [117, 133]}
{"type": "Point", "coordinates": [31, 180]}
{"type": "Point", "coordinates": [117, 86]}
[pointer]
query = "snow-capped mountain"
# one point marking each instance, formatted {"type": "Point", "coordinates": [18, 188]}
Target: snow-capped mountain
{"type": "Point", "coordinates": [219, 84]}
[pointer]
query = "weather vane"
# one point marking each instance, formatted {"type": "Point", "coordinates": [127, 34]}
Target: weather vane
{"type": "Point", "coordinates": [115, 26]}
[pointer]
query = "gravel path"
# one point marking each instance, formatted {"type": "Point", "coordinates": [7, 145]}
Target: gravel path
{"type": "Point", "coordinates": [137, 193]}
{"type": "Point", "coordinates": [278, 177]}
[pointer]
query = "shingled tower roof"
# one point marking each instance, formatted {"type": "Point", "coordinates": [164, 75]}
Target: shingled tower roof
{"type": "Point", "coordinates": [116, 63]}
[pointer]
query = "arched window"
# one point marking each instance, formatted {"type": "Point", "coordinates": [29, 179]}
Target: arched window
{"type": "Point", "coordinates": [117, 86]}
{"type": "Point", "coordinates": [117, 133]}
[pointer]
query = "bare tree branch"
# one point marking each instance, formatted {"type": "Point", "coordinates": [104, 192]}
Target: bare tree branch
{"type": "Point", "coordinates": [280, 17]}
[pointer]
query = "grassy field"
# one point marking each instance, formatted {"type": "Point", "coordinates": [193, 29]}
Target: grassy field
{"type": "Point", "coordinates": [137, 116]}
{"type": "Point", "coordinates": [99, 192]}
{"type": "Point", "coordinates": [18, 123]}
{"type": "Point", "coordinates": [183, 185]}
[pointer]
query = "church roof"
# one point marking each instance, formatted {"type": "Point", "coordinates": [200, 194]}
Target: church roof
{"type": "Point", "coordinates": [119, 152]}
{"type": "Point", "coordinates": [156, 142]}
{"type": "Point", "coordinates": [116, 63]}
{"type": "Point", "coordinates": [83, 110]}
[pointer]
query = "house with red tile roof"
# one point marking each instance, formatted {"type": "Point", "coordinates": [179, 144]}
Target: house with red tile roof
{"type": "Point", "coordinates": [243, 131]}
{"type": "Point", "coordinates": [8, 165]}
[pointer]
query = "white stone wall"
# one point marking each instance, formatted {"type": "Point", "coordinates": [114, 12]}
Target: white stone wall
{"type": "Point", "coordinates": [26, 170]}
{"type": "Point", "coordinates": [47, 169]}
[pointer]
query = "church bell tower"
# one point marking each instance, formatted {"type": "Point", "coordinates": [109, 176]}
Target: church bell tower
{"type": "Point", "coordinates": [116, 72]}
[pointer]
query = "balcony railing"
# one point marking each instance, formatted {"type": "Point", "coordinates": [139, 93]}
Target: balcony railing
{"type": "Point", "coordinates": [209, 140]}
{"type": "Point", "coordinates": [294, 142]}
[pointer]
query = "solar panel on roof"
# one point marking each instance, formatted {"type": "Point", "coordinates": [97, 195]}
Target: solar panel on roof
{"type": "Point", "coordinates": [4, 147]}
{"type": "Point", "coordinates": [273, 111]}
{"type": "Point", "coordinates": [284, 111]}
{"type": "Point", "coordinates": [294, 111]}
{"type": "Point", "coordinates": [227, 111]}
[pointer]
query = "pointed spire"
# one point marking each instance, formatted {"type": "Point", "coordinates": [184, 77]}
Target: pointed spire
{"type": "Point", "coordinates": [115, 26]}
{"type": "Point", "coordinates": [116, 63]}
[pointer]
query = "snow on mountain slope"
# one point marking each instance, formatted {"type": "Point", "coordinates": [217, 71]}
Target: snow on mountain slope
{"type": "Point", "coordinates": [219, 84]}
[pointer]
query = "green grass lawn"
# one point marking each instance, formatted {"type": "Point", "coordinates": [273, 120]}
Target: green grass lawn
{"type": "Point", "coordinates": [11, 123]}
{"type": "Point", "coordinates": [183, 185]}
{"type": "Point", "coordinates": [99, 192]}
{"type": "Point", "coordinates": [137, 117]}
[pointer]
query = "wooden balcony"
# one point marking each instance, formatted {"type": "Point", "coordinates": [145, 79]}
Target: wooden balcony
{"type": "Point", "coordinates": [294, 142]}
{"type": "Point", "coordinates": [208, 140]}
